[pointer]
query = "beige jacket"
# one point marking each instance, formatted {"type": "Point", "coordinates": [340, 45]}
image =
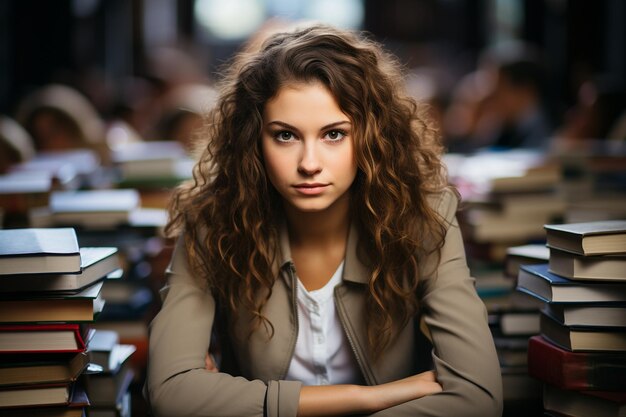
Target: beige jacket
{"type": "Point", "coordinates": [463, 354]}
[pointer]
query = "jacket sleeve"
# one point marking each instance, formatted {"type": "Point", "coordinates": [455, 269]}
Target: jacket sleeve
{"type": "Point", "coordinates": [177, 383]}
{"type": "Point", "coordinates": [463, 354]}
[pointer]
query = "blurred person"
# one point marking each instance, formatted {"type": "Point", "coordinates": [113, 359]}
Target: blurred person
{"type": "Point", "coordinates": [182, 111]}
{"type": "Point", "coordinates": [517, 98]}
{"type": "Point", "coordinates": [60, 118]}
{"type": "Point", "coordinates": [594, 117]}
{"type": "Point", "coordinates": [16, 145]}
{"type": "Point", "coordinates": [468, 121]}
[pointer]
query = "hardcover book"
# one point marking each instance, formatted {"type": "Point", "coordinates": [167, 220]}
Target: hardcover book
{"type": "Point", "coordinates": [41, 368]}
{"type": "Point", "coordinates": [601, 268]}
{"type": "Point", "coordinates": [592, 238]}
{"type": "Point", "coordinates": [538, 281]}
{"type": "Point", "coordinates": [579, 314]}
{"type": "Point", "coordinates": [58, 307]}
{"type": "Point", "coordinates": [96, 264]}
{"type": "Point", "coordinates": [34, 251]}
{"type": "Point", "coordinates": [575, 370]}
{"type": "Point", "coordinates": [68, 400]}
{"type": "Point", "coordinates": [93, 208]}
{"type": "Point", "coordinates": [578, 339]}
{"type": "Point", "coordinates": [524, 255]}
{"type": "Point", "coordinates": [40, 338]}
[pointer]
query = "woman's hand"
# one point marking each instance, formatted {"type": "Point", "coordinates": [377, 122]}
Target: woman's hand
{"type": "Point", "coordinates": [398, 392]}
{"type": "Point", "coordinates": [325, 400]}
{"type": "Point", "coordinates": [209, 363]}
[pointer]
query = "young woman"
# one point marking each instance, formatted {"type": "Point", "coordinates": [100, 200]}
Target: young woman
{"type": "Point", "coordinates": [319, 249]}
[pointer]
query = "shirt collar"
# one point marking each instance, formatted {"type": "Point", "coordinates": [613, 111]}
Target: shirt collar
{"type": "Point", "coordinates": [354, 269]}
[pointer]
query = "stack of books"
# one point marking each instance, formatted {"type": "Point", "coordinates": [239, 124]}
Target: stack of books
{"type": "Point", "coordinates": [580, 354]}
{"type": "Point", "coordinates": [109, 391]}
{"type": "Point", "coordinates": [154, 164]}
{"type": "Point", "coordinates": [49, 296]}
{"type": "Point", "coordinates": [508, 197]}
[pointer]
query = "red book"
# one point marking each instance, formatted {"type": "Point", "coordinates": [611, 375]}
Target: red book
{"type": "Point", "coordinates": [37, 338]}
{"type": "Point", "coordinates": [576, 370]}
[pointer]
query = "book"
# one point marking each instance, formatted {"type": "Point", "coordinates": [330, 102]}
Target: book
{"type": "Point", "coordinates": [577, 314]}
{"type": "Point", "coordinates": [107, 389]}
{"type": "Point", "coordinates": [75, 407]}
{"type": "Point", "coordinates": [122, 409]}
{"type": "Point", "coordinates": [58, 307]}
{"type": "Point", "coordinates": [153, 160]}
{"type": "Point", "coordinates": [592, 238]}
{"type": "Point", "coordinates": [601, 267]}
{"type": "Point", "coordinates": [484, 228]}
{"type": "Point", "coordinates": [579, 338]}
{"type": "Point", "coordinates": [33, 338]}
{"type": "Point", "coordinates": [537, 281]}
{"type": "Point", "coordinates": [22, 191]}
{"type": "Point", "coordinates": [512, 322]}
{"type": "Point", "coordinates": [535, 253]}
{"type": "Point", "coordinates": [95, 264]}
{"type": "Point", "coordinates": [32, 395]}
{"type": "Point", "coordinates": [41, 368]}
{"type": "Point", "coordinates": [33, 251]}
{"type": "Point", "coordinates": [575, 370]}
{"type": "Point", "coordinates": [584, 403]}
{"type": "Point", "coordinates": [131, 332]}
{"type": "Point", "coordinates": [93, 208]}
{"type": "Point", "coordinates": [101, 345]}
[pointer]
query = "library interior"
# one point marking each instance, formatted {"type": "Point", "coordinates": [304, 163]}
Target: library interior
{"type": "Point", "coordinates": [102, 109]}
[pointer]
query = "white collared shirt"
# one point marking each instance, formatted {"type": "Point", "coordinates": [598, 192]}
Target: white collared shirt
{"type": "Point", "coordinates": [322, 355]}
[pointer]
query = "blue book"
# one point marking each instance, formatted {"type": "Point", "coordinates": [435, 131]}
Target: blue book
{"type": "Point", "coordinates": [539, 282]}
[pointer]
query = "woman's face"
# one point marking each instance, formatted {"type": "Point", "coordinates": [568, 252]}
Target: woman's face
{"type": "Point", "coordinates": [308, 147]}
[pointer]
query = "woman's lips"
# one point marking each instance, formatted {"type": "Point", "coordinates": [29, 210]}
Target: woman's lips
{"type": "Point", "coordinates": [310, 188]}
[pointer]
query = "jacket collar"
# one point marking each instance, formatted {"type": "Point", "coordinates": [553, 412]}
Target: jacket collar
{"type": "Point", "coordinates": [354, 269]}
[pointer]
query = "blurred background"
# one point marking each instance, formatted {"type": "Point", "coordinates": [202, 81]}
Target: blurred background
{"type": "Point", "coordinates": [127, 57]}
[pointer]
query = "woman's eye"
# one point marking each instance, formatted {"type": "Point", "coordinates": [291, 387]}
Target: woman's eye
{"type": "Point", "coordinates": [284, 136]}
{"type": "Point", "coordinates": [335, 135]}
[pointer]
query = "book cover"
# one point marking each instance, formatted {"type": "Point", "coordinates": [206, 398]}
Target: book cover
{"type": "Point", "coordinates": [39, 338]}
{"type": "Point", "coordinates": [33, 250]}
{"type": "Point", "coordinates": [581, 338]}
{"type": "Point", "coordinates": [96, 264]}
{"type": "Point", "coordinates": [56, 307]}
{"type": "Point", "coordinates": [575, 370]}
{"type": "Point", "coordinates": [591, 238]}
{"type": "Point", "coordinates": [601, 267]}
{"type": "Point", "coordinates": [538, 281]}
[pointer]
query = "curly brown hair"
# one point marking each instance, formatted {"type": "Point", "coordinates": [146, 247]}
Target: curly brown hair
{"type": "Point", "coordinates": [230, 212]}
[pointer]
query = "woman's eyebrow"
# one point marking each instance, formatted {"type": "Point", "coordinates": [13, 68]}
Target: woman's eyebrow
{"type": "Point", "coordinates": [290, 127]}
